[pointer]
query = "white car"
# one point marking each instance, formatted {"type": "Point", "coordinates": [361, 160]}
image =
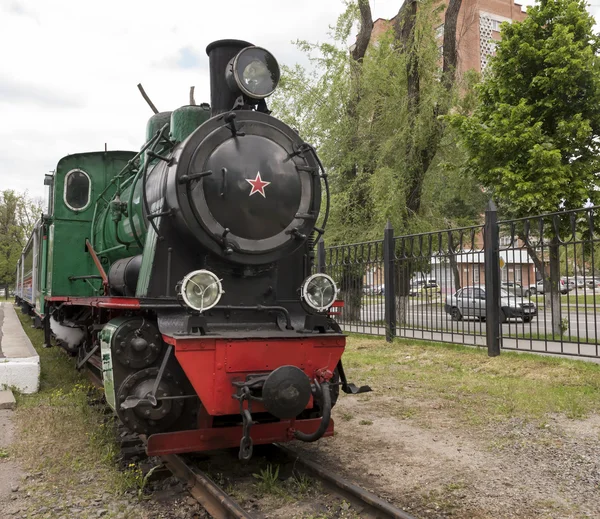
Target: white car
{"type": "Point", "coordinates": [470, 302]}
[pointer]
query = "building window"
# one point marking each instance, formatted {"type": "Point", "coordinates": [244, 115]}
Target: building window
{"type": "Point", "coordinates": [495, 25]}
{"type": "Point", "coordinates": [518, 274]}
{"type": "Point", "coordinates": [439, 31]}
{"type": "Point", "coordinates": [77, 190]}
{"type": "Point", "coordinates": [505, 241]}
{"type": "Point", "coordinates": [476, 274]}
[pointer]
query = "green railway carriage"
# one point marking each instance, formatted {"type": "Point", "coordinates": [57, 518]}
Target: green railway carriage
{"type": "Point", "coordinates": [55, 261]}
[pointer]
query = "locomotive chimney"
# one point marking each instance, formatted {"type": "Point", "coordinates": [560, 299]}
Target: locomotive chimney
{"type": "Point", "coordinates": [220, 53]}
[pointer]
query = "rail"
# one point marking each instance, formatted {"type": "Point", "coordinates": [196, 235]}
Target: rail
{"type": "Point", "coordinates": [374, 505]}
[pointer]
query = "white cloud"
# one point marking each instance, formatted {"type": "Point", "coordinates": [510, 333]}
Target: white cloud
{"type": "Point", "coordinates": [69, 68]}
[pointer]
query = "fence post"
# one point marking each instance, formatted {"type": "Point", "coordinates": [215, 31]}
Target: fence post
{"type": "Point", "coordinates": [492, 279]}
{"type": "Point", "coordinates": [388, 279]}
{"type": "Point", "coordinates": [321, 256]}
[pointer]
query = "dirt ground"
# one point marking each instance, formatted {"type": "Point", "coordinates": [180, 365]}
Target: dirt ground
{"type": "Point", "coordinates": [438, 468]}
{"type": "Point", "coordinates": [10, 471]}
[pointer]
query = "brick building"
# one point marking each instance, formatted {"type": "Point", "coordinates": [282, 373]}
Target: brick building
{"type": "Point", "coordinates": [477, 28]}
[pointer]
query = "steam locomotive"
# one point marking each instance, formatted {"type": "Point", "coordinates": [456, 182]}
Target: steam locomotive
{"type": "Point", "coordinates": [182, 275]}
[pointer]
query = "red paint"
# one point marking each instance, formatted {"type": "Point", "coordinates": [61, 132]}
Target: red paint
{"type": "Point", "coordinates": [126, 303]}
{"type": "Point", "coordinates": [212, 364]}
{"type": "Point", "coordinates": [227, 437]}
{"type": "Point", "coordinates": [97, 263]}
{"type": "Point", "coordinates": [258, 185]}
{"type": "Point", "coordinates": [336, 304]}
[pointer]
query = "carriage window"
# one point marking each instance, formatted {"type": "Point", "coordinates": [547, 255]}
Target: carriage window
{"type": "Point", "coordinates": [77, 189]}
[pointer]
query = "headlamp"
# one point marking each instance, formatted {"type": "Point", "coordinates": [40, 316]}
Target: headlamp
{"type": "Point", "coordinates": [201, 290]}
{"type": "Point", "coordinates": [319, 291]}
{"type": "Point", "coordinates": [255, 72]}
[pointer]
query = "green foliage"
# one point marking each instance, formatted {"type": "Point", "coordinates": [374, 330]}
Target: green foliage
{"type": "Point", "coordinates": [268, 480]}
{"type": "Point", "coordinates": [371, 137]}
{"type": "Point", "coordinates": [18, 213]}
{"type": "Point", "coordinates": [534, 138]}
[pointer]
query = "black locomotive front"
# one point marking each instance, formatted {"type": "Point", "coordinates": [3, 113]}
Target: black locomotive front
{"type": "Point", "coordinates": [240, 198]}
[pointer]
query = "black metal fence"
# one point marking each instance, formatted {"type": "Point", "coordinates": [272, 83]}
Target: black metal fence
{"type": "Point", "coordinates": [531, 284]}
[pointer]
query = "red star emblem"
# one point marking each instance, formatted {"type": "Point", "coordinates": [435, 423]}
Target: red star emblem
{"type": "Point", "coordinates": [258, 185]}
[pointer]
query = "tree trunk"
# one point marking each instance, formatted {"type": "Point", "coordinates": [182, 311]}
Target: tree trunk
{"type": "Point", "coordinates": [401, 311]}
{"type": "Point", "coordinates": [450, 52]}
{"type": "Point", "coordinates": [364, 34]}
{"type": "Point", "coordinates": [419, 159]}
{"type": "Point", "coordinates": [551, 282]}
{"type": "Point", "coordinates": [351, 289]}
{"type": "Point", "coordinates": [352, 305]}
{"type": "Point", "coordinates": [453, 262]}
{"type": "Point", "coordinates": [402, 286]}
{"type": "Point", "coordinates": [554, 282]}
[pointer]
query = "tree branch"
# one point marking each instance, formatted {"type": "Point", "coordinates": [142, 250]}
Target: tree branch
{"type": "Point", "coordinates": [450, 53]}
{"type": "Point", "coordinates": [366, 28]}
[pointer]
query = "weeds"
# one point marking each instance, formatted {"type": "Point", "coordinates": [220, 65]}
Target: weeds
{"type": "Point", "coordinates": [60, 410]}
{"type": "Point", "coordinates": [3, 454]}
{"type": "Point", "coordinates": [301, 484]}
{"type": "Point", "coordinates": [268, 480]}
{"type": "Point", "coordinates": [366, 422]}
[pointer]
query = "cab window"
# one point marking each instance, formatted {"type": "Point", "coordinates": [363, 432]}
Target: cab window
{"type": "Point", "coordinates": [77, 190]}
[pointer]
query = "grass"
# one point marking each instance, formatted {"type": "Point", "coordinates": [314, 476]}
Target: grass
{"type": "Point", "coordinates": [582, 339]}
{"type": "Point", "coordinates": [63, 437]}
{"type": "Point", "coordinates": [471, 386]}
{"type": "Point", "coordinates": [582, 302]}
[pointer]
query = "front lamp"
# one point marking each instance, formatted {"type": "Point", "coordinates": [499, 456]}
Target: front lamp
{"type": "Point", "coordinates": [201, 290]}
{"type": "Point", "coordinates": [319, 291]}
{"type": "Point", "coordinates": [255, 72]}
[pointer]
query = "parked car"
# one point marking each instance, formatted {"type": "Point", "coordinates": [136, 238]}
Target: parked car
{"type": "Point", "coordinates": [592, 283]}
{"type": "Point", "coordinates": [424, 288]}
{"type": "Point", "coordinates": [470, 302]}
{"type": "Point", "coordinates": [565, 287]}
{"type": "Point", "coordinates": [367, 290]}
{"type": "Point", "coordinates": [379, 290]}
{"type": "Point", "coordinates": [515, 288]}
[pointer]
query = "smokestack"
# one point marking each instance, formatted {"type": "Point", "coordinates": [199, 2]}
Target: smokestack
{"type": "Point", "coordinates": [220, 54]}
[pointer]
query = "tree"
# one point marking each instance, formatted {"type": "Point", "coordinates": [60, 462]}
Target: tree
{"type": "Point", "coordinates": [534, 140]}
{"type": "Point", "coordinates": [375, 114]}
{"type": "Point", "coordinates": [18, 214]}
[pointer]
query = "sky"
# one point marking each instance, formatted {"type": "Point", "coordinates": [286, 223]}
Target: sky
{"type": "Point", "coordinates": [69, 68]}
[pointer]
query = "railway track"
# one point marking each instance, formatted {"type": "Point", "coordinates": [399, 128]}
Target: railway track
{"type": "Point", "coordinates": [221, 506]}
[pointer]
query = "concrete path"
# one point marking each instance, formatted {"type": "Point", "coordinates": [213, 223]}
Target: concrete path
{"type": "Point", "coordinates": [19, 362]}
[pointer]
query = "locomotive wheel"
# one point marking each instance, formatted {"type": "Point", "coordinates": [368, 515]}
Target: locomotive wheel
{"type": "Point", "coordinates": [137, 344]}
{"type": "Point", "coordinates": [144, 417]}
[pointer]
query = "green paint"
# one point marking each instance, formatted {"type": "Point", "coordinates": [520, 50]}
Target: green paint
{"type": "Point", "coordinates": [67, 253]}
{"type": "Point", "coordinates": [185, 120]}
{"type": "Point", "coordinates": [50, 261]}
{"type": "Point", "coordinates": [112, 227]}
{"type": "Point", "coordinates": [155, 123]}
